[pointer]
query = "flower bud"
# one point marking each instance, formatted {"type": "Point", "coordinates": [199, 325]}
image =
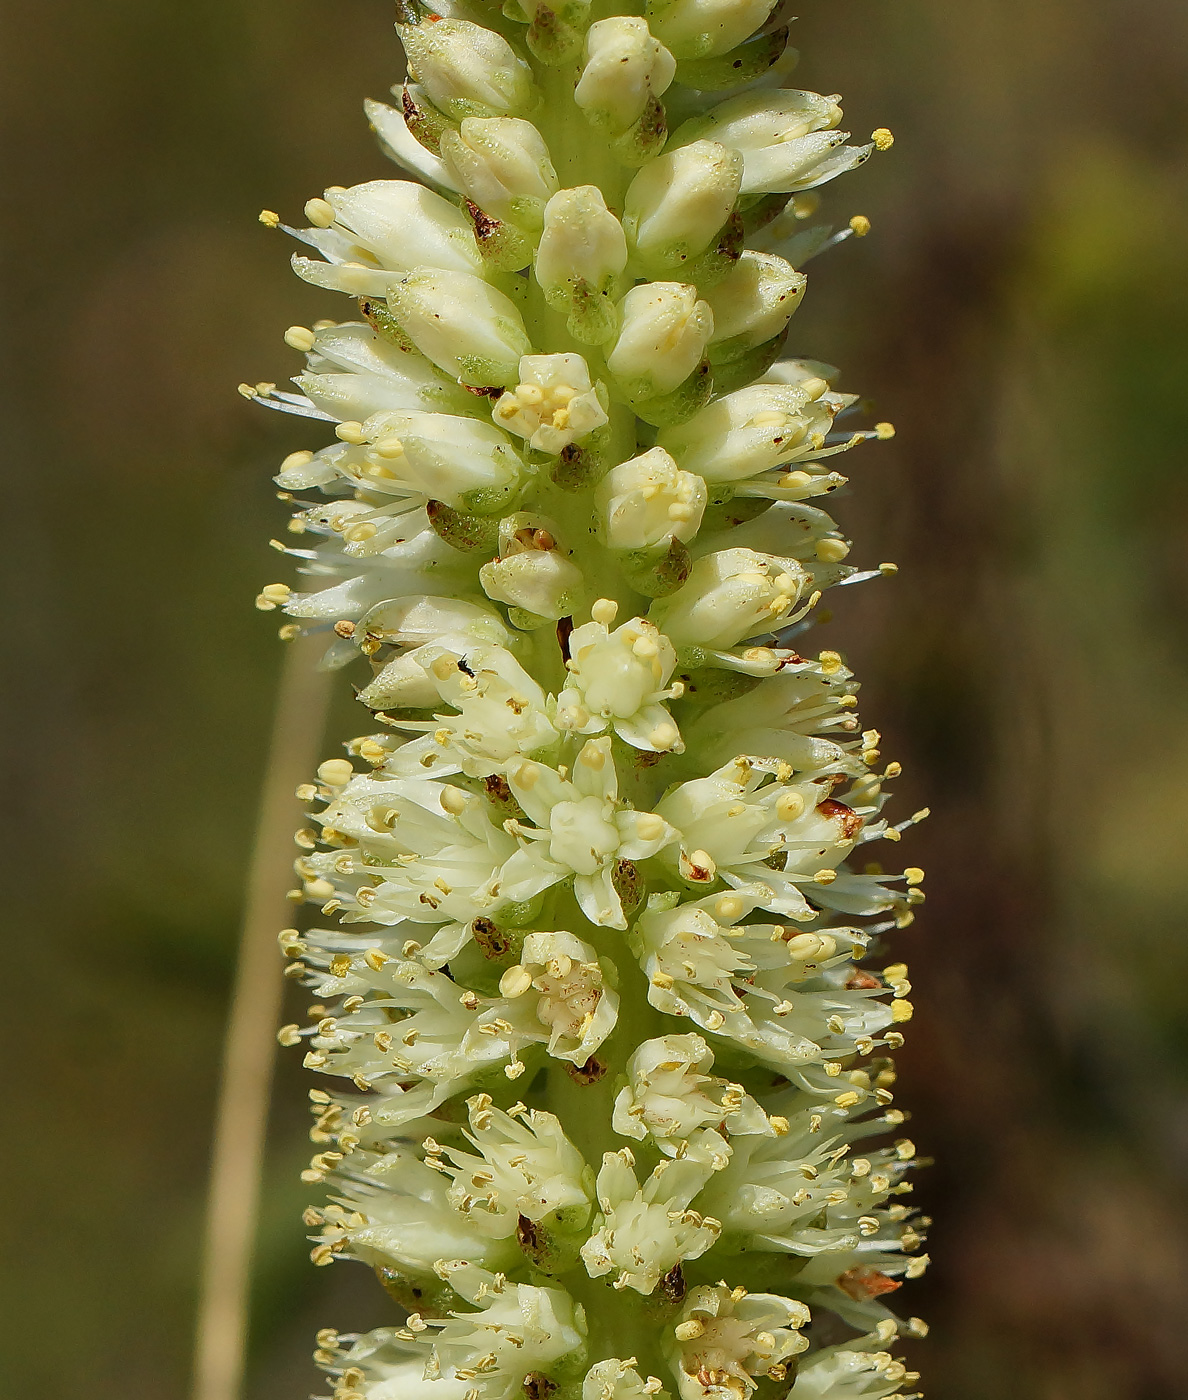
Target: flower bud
{"type": "Point", "coordinates": [502, 164]}
{"type": "Point", "coordinates": [582, 254]}
{"type": "Point", "coordinates": [751, 430]}
{"type": "Point", "coordinates": [466, 70]}
{"type": "Point", "coordinates": [753, 304]}
{"type": "Point", "coordinates": [676, 206]}
{"type": "Point", "coordinates": [665, 330]}
{"type": "Point", "coordinates": [786, 139]}
{"type": "Point", "coordinates": [406, 226]}
{"type": "Point", "coordinates": [532, 573]}
{"type": "Point", "coordinates": [554, 403]}
{"type": "Point", "coordinates": [624, 75]}
{"type": "Point", "coordinates": [463, 324]}
{"type": "Point", "coordinates": [730, 595]}
{"type": "Point", "coordinates": [699, 28]}
{"type": "Point", "coordinates": [556, 28]}
{"type": "Point", "coordinates": [640, 503]}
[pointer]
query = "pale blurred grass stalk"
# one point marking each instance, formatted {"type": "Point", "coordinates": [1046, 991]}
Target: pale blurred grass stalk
{"type": "Point", "coordinates": [241, 1117]}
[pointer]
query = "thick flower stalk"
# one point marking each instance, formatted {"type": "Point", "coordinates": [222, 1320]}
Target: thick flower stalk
{"type": "Point", "coordinates": [597, 984]}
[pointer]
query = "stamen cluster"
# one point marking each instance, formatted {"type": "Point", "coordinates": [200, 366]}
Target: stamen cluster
{"type": "Point", "coordinates": [612, 1113]}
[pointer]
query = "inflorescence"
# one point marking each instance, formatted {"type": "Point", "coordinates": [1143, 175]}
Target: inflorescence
{"type": "Point", "coordinates": [613, 1109]}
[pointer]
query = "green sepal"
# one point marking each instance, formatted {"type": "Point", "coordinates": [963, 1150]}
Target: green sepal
{"type": "Point", "coordinates": [666, 410]}
{"type": "Point", "coordinates": [377, 315]}
{"type": "Point", "coordinates": [657, 572]}
{"type": "Point", "coordinates": [743, 366]}
{"type": "Point", "coordinates": [503, 246]}
{"type": "Point", "coordinates": [423, 119]}
{"type": "Point", "coordinates": [750, 60]}
{"type": "Point", "coordinates": [461, 531]}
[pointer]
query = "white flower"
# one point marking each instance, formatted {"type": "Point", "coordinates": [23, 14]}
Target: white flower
{"type": "Point", "coordinates": [730, 595]}
{"type": "Point", "coordinates": [620, 680]}
{"type": "Point", "coordinates": [664, 330]}
{"type": "Point", "coordinates": [553, 404]}
{"type": "Point", "coordinates": [857, 1370]}
{"type": "Point", "coordinates": [786, 139]}
{"type": "Point", "coordinates": [461, 323]}
{"type": "Point", "coordinates": [615, 1379]}
{"type": "Point", "coordinates": [399, 225]}
{"type": "Point", "coordinates": [383, 1365]}
{"type": "Point", "coordinates": [785, 718]}
{"type": "Point", "coordinates": [399, 1215]}
{"type": "Point", "coordinates": [757, 832]}
{"type": "Point", "coordinates": [502, 164]}
{"type": "Point", "coordinates": [501, 711]}
{"type": "Point", "coordinates": [579, 261]}
{"type": "Point", "coordinates": [669, 1095]}
{"type": "Point", "coordinates": [645, 1232]}
{"type": "Point", "coordinates": [418, 850]}
{"type": "Point", "coordinates": [699, 28]}
{"type": "Point", "coordinates": [440, 1040]}
{"type": "Point", "coordinates": [516, 1330]}
{"type": "Point", "coordinates": [580, 830]}
{"type": "Point", "coordinates": [645, 501]}
{"type": "Point", "coordinates": [466, 70]}
{"type": "Point", "coordinates": [788, 1195]}
{"type": "Point", "coordinates": [677, 204]}
{"type": "Point", "coordinates": [463, 461]}
{"type": "Point", "coordinates": [753, 303]}
{"type": "Point", "coordinates": [755, 430]}
{"type": "Point", "coordinates": [625, 71]}
{"type": "Point", "coordinates": [353, 373]}
{"type": "Point", "coordinates": [725, 1339]}
{"type": "Point", "coordinates": [565, 983]}
{"type": "Point", "coordinates": [533, 572]}
{"type": "Point", "coordinates": [523, 1166]}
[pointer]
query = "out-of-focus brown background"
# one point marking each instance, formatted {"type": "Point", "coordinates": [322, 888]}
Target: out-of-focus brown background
{"type": "Point", "coordinates": [1020, 311]}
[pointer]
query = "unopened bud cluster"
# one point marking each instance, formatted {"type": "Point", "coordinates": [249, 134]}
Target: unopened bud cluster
{"type": "Point", "coordinates": [611, 1113]}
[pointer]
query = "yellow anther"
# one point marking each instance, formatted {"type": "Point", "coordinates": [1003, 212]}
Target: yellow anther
{"type": "Point", "coordinates": [825, 877]}
{"type": "Point", "coordinates": [913, 875]}
{"type": "Point", "coordinates": [831, 551]}
{"type": "Point", "coordinates": [902, 1010]}
{"type": "Point", "coordinates": [882, 138]}
{"type": "Point", "coordinates": [515, 982]}
{"type": "Point", "coordinates": [604, 610]}
{"type": "Point", "coordinates": [269, 218]}
{"type": "Point", "coordinates": [453, 800]}
{"type": "Point", "coordinates": [888, 568]}
{"type": "Point", "coordinates": [860, 225]}
{"type": "Point", "coordinates": [351, 432]}
{"type": "Point", "coordinates": [300, 338]}
{"type": "Point", "coordinates": [390, 447]}
{"type": "Point", "coordinates": [883, 431]}
{"type": "Point", "coordinates": [335, 772]}
{"type": "Point", "coordinates": [319, 213]}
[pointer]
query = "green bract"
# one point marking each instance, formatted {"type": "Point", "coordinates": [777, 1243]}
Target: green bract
{"type": "Point", "coordinates": [611, 1113]}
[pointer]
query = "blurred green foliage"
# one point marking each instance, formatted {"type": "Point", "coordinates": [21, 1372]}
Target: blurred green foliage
{"type": "Point", "coordinates": [1020, 311]}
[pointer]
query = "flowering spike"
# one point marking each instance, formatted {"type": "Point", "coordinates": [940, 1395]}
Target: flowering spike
{"type": "Point", "coordinates": [588, 932]}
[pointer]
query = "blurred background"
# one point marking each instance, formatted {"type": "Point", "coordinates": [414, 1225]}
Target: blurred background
{"type": "Point", "coordinates": [1020, 311]}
